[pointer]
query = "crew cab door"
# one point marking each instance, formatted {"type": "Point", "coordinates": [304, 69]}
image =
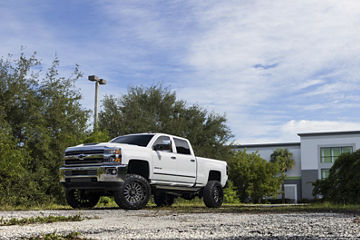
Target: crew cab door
{"type": "Point", "coordinates": [169, 167]}
{"type": "Point", "coordinates": [185, 160]}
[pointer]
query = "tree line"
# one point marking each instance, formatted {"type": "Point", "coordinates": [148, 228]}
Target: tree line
{"type": "Point", "coordinates": [41, 115]}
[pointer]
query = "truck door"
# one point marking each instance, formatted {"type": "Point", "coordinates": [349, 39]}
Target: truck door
{"type": "Point", "coordinates": [168, 168]}
{"type": "Point", "coordinates": [185, 161]}
{"type": "Point", "coordinates": [164, 156]}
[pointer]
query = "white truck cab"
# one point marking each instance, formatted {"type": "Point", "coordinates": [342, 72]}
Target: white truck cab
{"type": "Point", "coordinates": [134, 166]}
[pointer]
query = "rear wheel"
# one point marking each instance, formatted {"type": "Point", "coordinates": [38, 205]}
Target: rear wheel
{"type": "Point", "coordinates": [213, 194]}
{"type": "Point", "coordinates": [162, 199]}
{"type": "Point", "coordinates": [134, 193]}
{"type": "Point", "coordinates": [77, 198]}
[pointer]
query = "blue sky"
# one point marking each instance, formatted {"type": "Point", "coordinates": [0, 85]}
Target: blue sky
{"type": "Point", "coordinates": [274, 68]}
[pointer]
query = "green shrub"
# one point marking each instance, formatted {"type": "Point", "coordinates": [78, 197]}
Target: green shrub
{"type": "Point", "coordinates": [230, 194]}
{"type": "Point", "coordinates": [254, 178]}
{"type": "Point", "coordinates": [343, 184]}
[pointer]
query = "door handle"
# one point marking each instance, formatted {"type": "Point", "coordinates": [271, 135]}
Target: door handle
{"type": "Point", "coordinates": [192, 160]}
{"type": "Point", "coordinates": [173, 157]}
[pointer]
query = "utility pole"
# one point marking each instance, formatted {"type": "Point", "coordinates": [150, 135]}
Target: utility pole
{"type": "Point", "coordinates": [98, 82]}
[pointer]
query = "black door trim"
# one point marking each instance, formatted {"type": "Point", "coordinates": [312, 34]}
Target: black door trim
{"type": "Point", "coordinates": [167, 174]}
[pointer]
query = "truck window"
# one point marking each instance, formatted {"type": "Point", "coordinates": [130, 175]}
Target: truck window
{"type": "Point", "coordinates": [182, 146]}
{"type": "Point", "coordinates": [140, 139]}
{"type": "Point", "coordinates": [163, 140]}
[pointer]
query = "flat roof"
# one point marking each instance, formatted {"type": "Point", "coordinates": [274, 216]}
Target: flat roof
{"type": "Point", "coordinates": [287, 144]}
{"type": "Point", "coordinates": [328, 133]}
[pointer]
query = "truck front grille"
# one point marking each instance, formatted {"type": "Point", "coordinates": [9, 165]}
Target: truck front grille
{"type": "Point", "coordinates": [81, 180]}
{"type": "Point", "coordinates": [78, 152]}
{"type": "Point", "coordinates": [84, 161]}
{"type": "Point", "coordinates": [80, 172]}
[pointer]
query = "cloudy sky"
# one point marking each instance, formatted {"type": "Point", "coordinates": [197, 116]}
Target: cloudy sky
{"type": "Point", "coordinates": [274, 68]}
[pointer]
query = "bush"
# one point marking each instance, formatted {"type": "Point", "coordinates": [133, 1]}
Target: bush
{"type": "Point", "coordinates": [230, 194]}
{"type": "Point", "coordinates": [254, 178]}
{"type": "Point", "coordinates": [343, 183]}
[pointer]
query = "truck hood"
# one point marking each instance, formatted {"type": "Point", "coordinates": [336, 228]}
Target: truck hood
{"type": "Point", "coordinates": [94, 146]}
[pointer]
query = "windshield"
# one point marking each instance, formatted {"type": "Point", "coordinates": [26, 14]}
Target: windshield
{"type": "Point", "coordinates": [140, 140]}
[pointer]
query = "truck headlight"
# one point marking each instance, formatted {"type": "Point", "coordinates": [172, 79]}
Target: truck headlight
{"type": "Point", "coordinates": [112, 155]}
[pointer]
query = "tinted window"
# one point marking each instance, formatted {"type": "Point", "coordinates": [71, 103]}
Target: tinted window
{"type": "Point", "coordinates": [140, 140]}
{"type": "Point", "coordinates": [163, 140]}
{"type": "Point", "coordinates": [182, 146]}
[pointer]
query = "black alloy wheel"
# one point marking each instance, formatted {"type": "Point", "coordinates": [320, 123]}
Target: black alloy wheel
{"type": "Point", "coordinates": [213, 194]}
{"type": "Point", "coordinates": [134, 193]}
{"type": "Point", "coordinates": [77, 198]}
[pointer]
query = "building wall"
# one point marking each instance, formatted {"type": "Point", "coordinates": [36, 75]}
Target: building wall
{"type": "Point", "coordinates": [307, 157]}
{"type": "Point", "coordinates": [310, 156]}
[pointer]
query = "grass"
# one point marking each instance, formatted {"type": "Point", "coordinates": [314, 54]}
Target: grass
{"type": "Point", "coordinates": [198, 206]}
{"type": "Point", "coordinates": [264, 208]}
{"type": "Point", "coordinates": [39, 207]}
{"type": "Point", "coordinates": [56, 236]}
{"type": "Point", "coordinates": [45, 219]}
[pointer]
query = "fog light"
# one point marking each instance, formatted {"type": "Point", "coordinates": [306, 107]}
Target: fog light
{"type": "Point", "coordinates": [111, 171]}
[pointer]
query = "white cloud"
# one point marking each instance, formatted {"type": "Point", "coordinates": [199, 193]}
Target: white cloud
{"type": "Point", "coordinates": [311, 46]}
{"type": "Point", "coordinates": [310, 83]}
{"type": "Point", "coordinates": [305, 126]}
{"type": "Point", "coordinates": [263, 63]}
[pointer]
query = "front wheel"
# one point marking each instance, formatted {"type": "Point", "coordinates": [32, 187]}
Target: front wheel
{"type": "Point", "coordinates": [213, 194]}
{"type": "Point", "coordinates": [77, 198]}
{"type": "Point", "coordinates": [134, 193]}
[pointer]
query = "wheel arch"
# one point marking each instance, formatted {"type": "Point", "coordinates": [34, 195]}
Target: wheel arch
{"type": "Point", "coordinates": [214, 176]}
{"type": "Point", "coordinates": [139, 167]}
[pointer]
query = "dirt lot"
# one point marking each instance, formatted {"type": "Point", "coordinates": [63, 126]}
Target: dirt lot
{"type": "Point", "coordinates": [165, 224]}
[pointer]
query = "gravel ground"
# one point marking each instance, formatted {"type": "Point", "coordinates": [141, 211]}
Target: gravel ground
{"type": "Point", "coordinates": [162, 224]}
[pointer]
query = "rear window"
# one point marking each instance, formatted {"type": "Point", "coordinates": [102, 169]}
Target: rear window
{"type": "Point", "coordinates": [182, 146]}
{"type": "Point", "coordinates": [140, 140]}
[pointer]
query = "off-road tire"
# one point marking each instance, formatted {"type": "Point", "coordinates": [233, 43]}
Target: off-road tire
{"type": "Point", "coordinates": [163, 199]}
{"type": "Point", "coordinates": [134, 193]}
{"type": "Point", "coordinates": [213, 194]}
{"type": "Point", "coordinates": [77, 198]}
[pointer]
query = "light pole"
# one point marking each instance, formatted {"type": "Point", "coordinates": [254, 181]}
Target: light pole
{"type": "Point", "coordinates": [97, 81]}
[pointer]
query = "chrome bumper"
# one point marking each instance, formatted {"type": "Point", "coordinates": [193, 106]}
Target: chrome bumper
{"type": "Point", "coordinates": [93, 174]}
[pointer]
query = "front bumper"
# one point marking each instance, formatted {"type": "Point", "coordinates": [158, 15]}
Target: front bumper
{"type": "Point", "coordinates": [104, 177]}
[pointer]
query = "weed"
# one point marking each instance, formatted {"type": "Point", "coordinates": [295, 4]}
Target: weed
{"type": "Point", "coordinates": [56, 236]}
{"type": "Point", "coordinates": [261, 208]}
{"type": "Point", "coordinates": [46, 219]}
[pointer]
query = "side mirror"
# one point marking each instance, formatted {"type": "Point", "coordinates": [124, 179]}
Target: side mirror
{"type": "Point", "coordinates": [162, 147]}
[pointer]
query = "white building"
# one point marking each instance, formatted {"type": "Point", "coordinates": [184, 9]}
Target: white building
{"type": "Point", "coordinates": [314, 155]}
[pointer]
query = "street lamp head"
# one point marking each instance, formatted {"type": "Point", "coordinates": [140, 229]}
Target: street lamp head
{"type": "Point", "coordinates": [102, 81]}
{"type": "Point", "coordinates": [93, 78]}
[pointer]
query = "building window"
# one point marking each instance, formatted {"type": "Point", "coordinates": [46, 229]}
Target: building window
{"type": "Point", "coordinates": [330, 154]}
{"type": "Point", "coordinates": [325, 173]}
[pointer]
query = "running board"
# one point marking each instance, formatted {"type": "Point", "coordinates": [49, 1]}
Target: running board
{"type": "Point", "coordinates": [187, 189]}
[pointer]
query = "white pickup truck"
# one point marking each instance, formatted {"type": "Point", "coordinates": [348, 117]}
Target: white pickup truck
{"type": "Point", "coordinates": [132, 167]}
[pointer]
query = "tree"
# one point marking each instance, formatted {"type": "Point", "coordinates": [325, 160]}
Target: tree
{"type": "Point", "coordinates": [44, 116]}
{"type": "Point", "coordinates": [14, 179]}
{"type": "Point", "coordinates": [96, 136]}
{"type": "Point", "coordinates": [254, 177]}
{"type": "Point", "coordinates": [343, 183]}
{"type": "Point", "coordinates": [285, 161]}
{"type": "Point", "coordinates": [156, 109]}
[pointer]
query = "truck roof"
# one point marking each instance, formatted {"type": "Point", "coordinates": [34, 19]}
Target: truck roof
{"type": "Point", "coordinates": [152, 133]}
